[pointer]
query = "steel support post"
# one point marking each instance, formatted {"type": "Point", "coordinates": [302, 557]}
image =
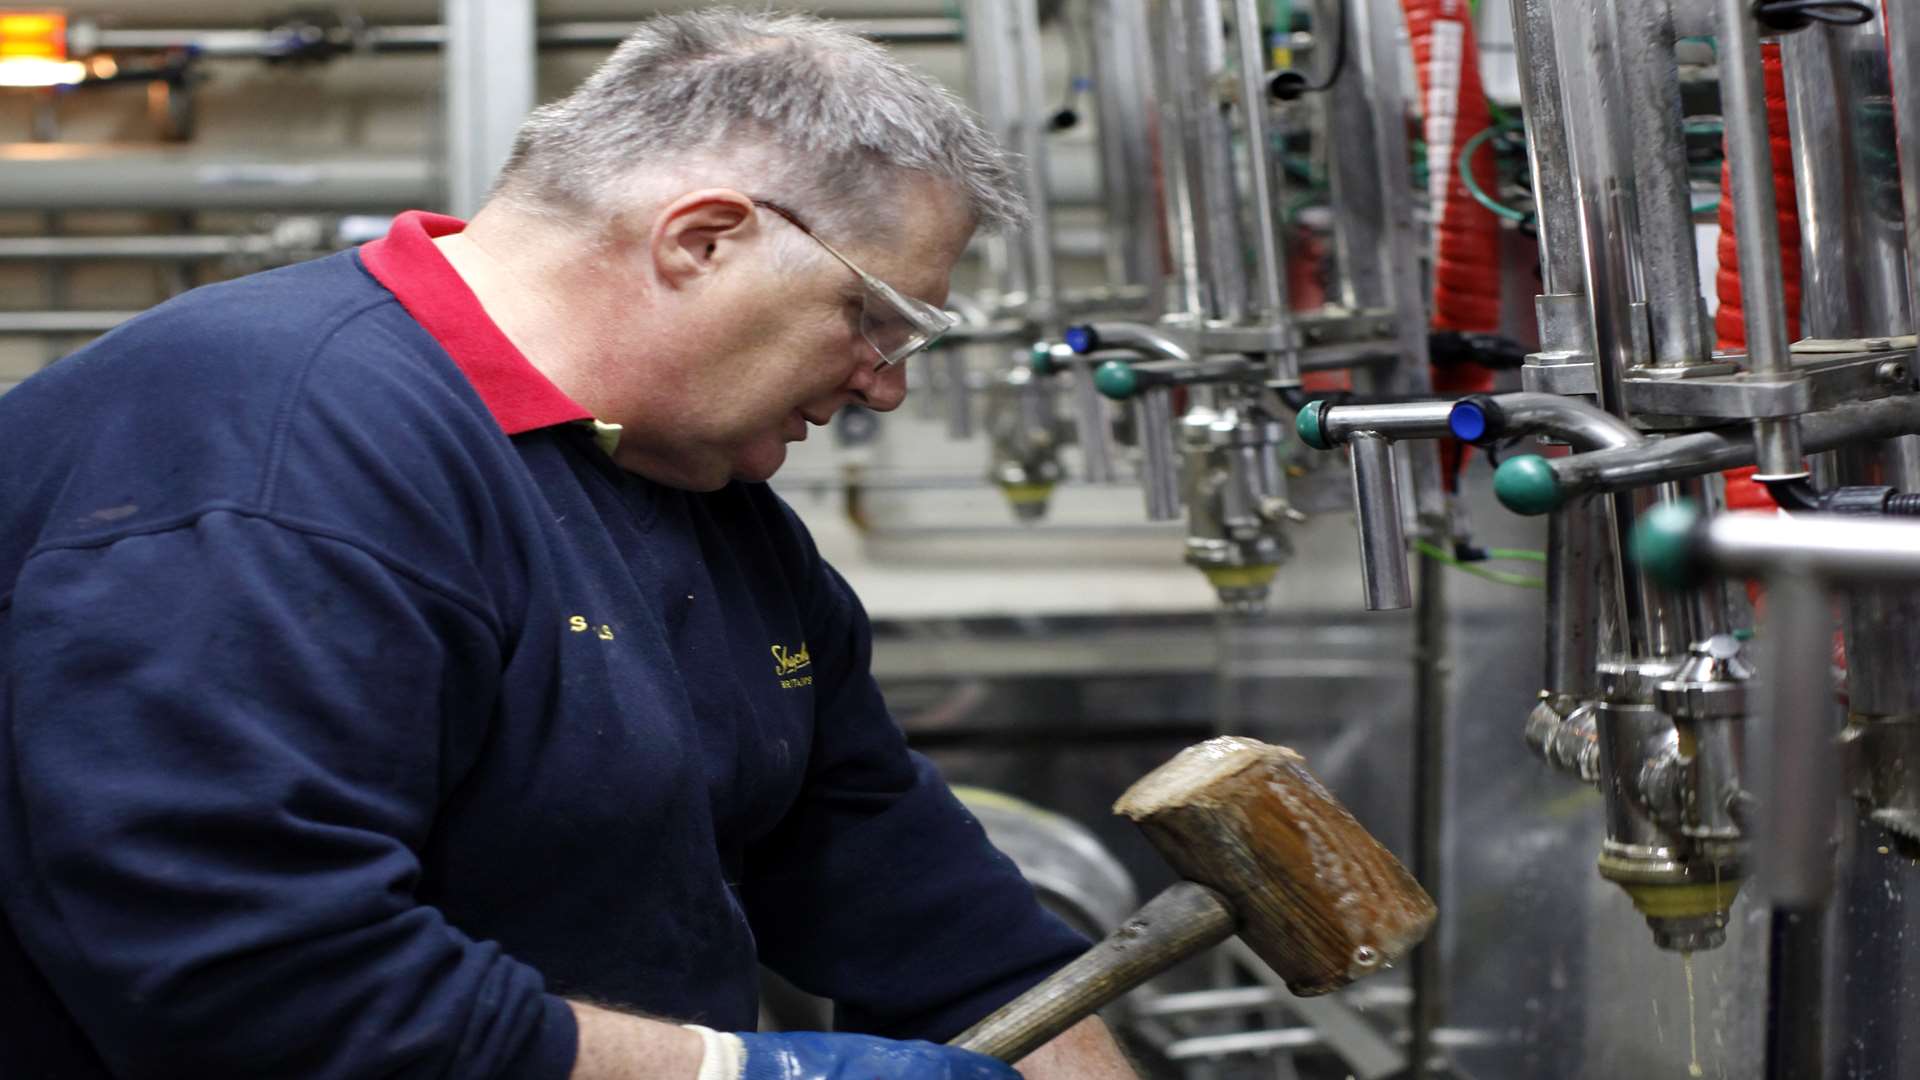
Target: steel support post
{"type": "Point", "coordinates": [489, 55]}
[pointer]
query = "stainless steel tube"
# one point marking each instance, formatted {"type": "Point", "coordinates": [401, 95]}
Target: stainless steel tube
{"type": "Point", "coordinates": [144, 248]}
{"type": "Point", "coordinates": [1832, 548]}
{"type": "Point", "coordinates": [994, 81]}
{"type": "Point", "coordinates": [1570, 420]}
{"type": "Point", "coordinates": [1159, 457]}
{"type": "Point", "coordinates": [1123, 104]}
{"type": "Point", "coordinates": [1679, 456]}
{"type": "Point", "coordinates": [428, 37]}
{"type": "Point", "coordinates": [1383, 542]}
{"type": "Point", "coordinates": [1580, 579]}
{"type": "Point", "coordinates": [1094, 434]}
{"type": "Point", "coordinates": [1139, 337]}
{"type": "Point", "coordinates": [1903, 52]}
{"type": "Point", "coordinates": [1208, 139]}
{"type": "Point", "coordinates": [1269, 300]}
{"type": "Point", "coordinates": [1042, 301]}
{"type": "Point", "coordinates": [1397, 420]}
{"type": "Point", "coordinates": [959, 394]}
{"type": "Point", "coordinates": [1763, 298]}
{"type": "Point", "coordinates": [1547, 153]}
{"type": "Point", "coordinates": [1852, 237]}
{"type": "Point", "coordinates": [62, 322]}
{"type": "Point", "coordinates": [1669, 254]}
{"type": "Point", "coordinates": [1801, 764]}
{"type": "Point", "coordinates": [59, 177]}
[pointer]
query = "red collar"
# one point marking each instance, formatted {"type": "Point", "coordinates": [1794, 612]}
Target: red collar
{"type": "Point", "coordinates": [412, 268]}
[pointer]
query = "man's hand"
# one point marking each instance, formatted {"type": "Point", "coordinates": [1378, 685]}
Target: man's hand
{"type": "Point", "coordinates": [615, 1046]}
{"type": "Point", "coordinates": [814, 1055]}
{"type": "Point", "coordinates": [1085, 1051]}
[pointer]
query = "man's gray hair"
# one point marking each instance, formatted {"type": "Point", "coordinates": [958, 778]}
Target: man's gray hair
{"type": "Point", "coordinates": [833, 121]}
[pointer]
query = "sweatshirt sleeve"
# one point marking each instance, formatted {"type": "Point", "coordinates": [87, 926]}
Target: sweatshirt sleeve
{"type": "Point", "coordinates": [224, 744]}
{"type": "Point", "coordinates": [880, 890]}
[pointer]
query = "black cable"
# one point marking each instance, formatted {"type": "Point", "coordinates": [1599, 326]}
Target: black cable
{"type": "Point", "coordinates": [1794, 496]}
{"type": "Point", "coordinates": [1797, 14]}
{"type": "Point", "coordinates": [1287, 85]}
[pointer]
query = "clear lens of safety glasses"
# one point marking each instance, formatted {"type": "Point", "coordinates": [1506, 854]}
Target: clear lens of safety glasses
{"type": "Point", "coordinates": [897, 325]}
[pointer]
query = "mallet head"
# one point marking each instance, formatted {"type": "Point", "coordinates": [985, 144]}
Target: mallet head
{"type": "Point", "coordinates": [1318, 898]}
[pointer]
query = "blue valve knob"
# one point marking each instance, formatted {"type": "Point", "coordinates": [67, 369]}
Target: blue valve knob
{"type": "Point", "coordinates": [1081, 339]}
{"type": "Point", "coordinates": [1468, 422]}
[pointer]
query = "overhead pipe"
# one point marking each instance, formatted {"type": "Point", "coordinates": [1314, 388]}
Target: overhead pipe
{"type": "Point", "coordinates": [268, 44]}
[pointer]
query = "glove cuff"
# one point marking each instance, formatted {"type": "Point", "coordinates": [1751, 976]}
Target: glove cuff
{"type": "Point", "coordinates": [723, 1056]}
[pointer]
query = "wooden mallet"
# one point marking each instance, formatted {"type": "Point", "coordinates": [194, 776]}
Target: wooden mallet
{"type": "Point", "coordinates": [1267, 852]}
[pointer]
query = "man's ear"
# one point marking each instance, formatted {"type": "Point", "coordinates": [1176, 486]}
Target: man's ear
{"type": "Point", "coordinates": [697, 232]}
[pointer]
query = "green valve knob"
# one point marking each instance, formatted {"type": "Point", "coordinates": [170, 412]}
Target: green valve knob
{"type": "Point", "coordinates": [1526, 485]}
{"type": "Point", "coordinates": [1307, 425]}
{"type": "Point", "coordinates": [1040, 358]}
{"type": "Point", "coordinates": [1663, 544]}
{"type": "Point", "coordinates": [1116, 380]}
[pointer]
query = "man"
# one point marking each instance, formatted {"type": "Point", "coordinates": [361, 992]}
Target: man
{"type": "Point", "coordinates": [402, 653]}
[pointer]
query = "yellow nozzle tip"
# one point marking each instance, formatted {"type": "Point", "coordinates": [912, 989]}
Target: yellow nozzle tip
{"type": "Point", "coordinates": [1683, 901]}
{"type": "Point", "coordinates": [1239, 577]}
{"type": "Point", "coordinates": [1027, 493]}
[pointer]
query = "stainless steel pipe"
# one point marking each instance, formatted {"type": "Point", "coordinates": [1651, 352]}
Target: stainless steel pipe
{"type": "Point", "coordinates": [1159, 457]}
{"type": "Point", "coordinates": [1763, 298]}
{"type": "Point", "coordinates": [1903, 52]}
{"type": "Point", "coordinates": [1384, 580]}
{"type": "Point", "coordinates": [1677, 457]}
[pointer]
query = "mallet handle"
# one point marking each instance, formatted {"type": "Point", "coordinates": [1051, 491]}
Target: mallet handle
{"type": "Point", "coordinates": [1181, 921]}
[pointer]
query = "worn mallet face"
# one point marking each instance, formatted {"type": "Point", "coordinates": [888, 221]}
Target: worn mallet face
{"type": "Point", "coordinates": [1318, 898]}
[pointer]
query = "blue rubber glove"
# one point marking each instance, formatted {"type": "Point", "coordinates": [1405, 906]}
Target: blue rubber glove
{"type": "Point", "coordinates": [815, 1055]}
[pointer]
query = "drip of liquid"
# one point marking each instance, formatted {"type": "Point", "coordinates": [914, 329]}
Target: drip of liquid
{"type": "Point", "coordinates": [1693, 1032]}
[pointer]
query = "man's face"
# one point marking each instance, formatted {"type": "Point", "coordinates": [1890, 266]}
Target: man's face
{"type": "Point", "coordinates": [779, 348]}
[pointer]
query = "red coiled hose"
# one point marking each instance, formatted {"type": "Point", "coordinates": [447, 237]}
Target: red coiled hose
{"type": "Point", "coordinates": [1729, 324]}
{"type": "Point", "coordinates": [1466, 237]}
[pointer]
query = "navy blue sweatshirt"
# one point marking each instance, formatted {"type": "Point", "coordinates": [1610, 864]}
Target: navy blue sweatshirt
{"type": "Point", "coordinates": [357, 708]}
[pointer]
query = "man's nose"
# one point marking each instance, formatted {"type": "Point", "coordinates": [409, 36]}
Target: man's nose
{"type": "Point", "coordinates": [881, 390]}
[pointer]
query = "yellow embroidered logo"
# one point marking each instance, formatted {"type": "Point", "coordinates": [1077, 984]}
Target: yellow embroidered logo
{"type": "Point", "coordinates": [788, 663]}
{"type": "Point", "coordinates": [579, 625]}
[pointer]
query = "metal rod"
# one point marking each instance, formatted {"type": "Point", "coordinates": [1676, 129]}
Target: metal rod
{"type": "Point", "coordinates": [145, 248]}
{"type": "Point", "coordinates": [1159, 457]}
{"type": "Point", "coordinates": [1762, 295]}
{"type": "Point", "coordinates": [1580, 563]}
{"type": "Point", "coordinates": [1032, 135]}
{"type": "Point", "coordinates": [1547, 153]}
{"type": "Point", "coordinates": [1199, 63]}
{"type": "Point", "coordinates": [62, 322]}
{"type": "Point", "coordinates": [1677, 457]}
{"type": "Point", "coordinates": [1141, 338]}
{"type": "Point", "coordinates": [1668, 252]}
{"type": "Point", "coordinates": [487, 84]}
{"type": "Point", "coordinates": [1570, 420]}
{"type": "Point", "coordinates": [62, 177]}
{"type": "Point", "coordinates": [1831, 548]}
{"type": "Point", "coordinates": [1431, 758]}
{"type": "Point", "coordinates": [256, 44]}
{"type": "Point", "coordinates": [1396, 420]}
{"type": "Point", "coordinates": [1122, 77]}
{"type": "Point", "coordinates": [1269, 279]}
{"type": "Point", "coordinates": [1383, 541]}
{"type": "Point", "coordinates": [1903, 51]}
{"type": "Point", "coordinates": [1095, 434]}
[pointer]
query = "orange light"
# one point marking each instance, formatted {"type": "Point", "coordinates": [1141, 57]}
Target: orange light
{"type": "Point", "coordinates": [35, 35]}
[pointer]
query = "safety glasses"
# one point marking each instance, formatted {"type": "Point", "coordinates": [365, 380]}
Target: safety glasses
{"type": "Point", "coordinates": [894, 324]}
